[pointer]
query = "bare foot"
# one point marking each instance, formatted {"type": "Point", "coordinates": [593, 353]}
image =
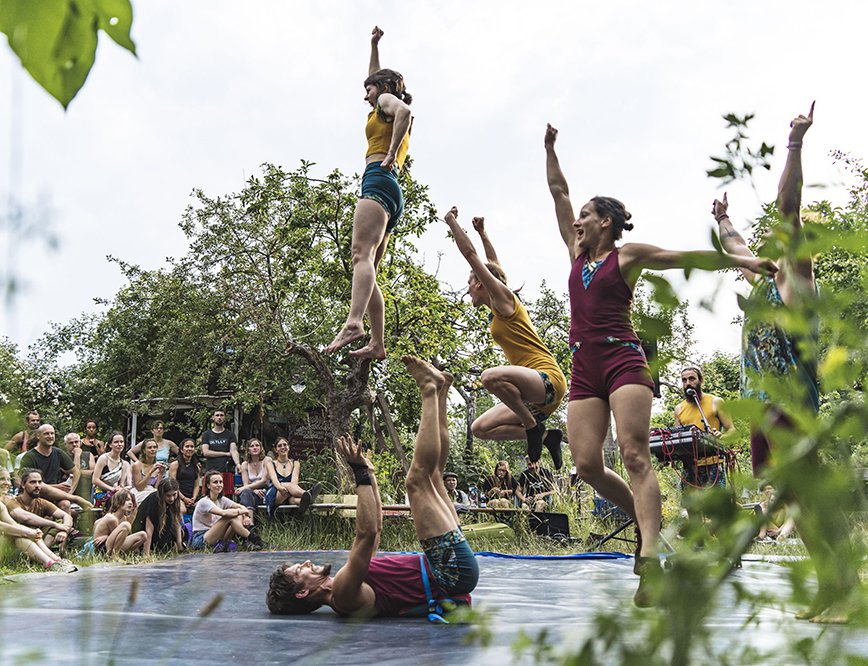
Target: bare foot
{"type": "Point", "coordinates": [425, 374]}
{"type": "Point", "coordinates": [376, 352]}
{"type": "Point", "coordinates": [349, 333]}
{"type": "Point", "coordinates": [447, 382]}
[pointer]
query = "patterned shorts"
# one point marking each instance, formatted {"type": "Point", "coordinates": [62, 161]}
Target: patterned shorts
{"type": "Point", "coordinates": [539, 410]}
{"type": "Point", "coordinates": [452, 563]}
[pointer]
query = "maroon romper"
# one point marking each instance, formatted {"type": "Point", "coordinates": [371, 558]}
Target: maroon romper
{"type": "Point", "coordinates": [397, 582]}
{"type": "Point", "coordinates": [606, 352]}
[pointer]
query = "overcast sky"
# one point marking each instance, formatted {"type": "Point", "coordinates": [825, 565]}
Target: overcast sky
{"type": "Point", "coordinates": [637, 90]}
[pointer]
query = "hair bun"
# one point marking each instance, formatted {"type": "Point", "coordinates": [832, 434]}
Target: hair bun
{"type": "Point", "coordinates": [628, 225]}
{"type": "Point", "coordinates": [627, 215]}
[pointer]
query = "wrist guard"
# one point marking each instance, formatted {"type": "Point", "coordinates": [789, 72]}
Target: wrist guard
{"type": "Point", "coordinates": [361, 474]}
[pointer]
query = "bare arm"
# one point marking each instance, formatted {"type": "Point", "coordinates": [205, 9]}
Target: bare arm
{"type": "Point", "coordinates": [374, 65]}
{"type": "Point", "coordinates": [399, 112]}
{"type": "Point", "coordinates": [560, 192]}
{"type": "Point", "coordinates": [350, 594]}
{"type": "Point", "coordinates": [678, 414]}
{"type": "Point", "coordinates": [502, 299]}
{"type": "Point", "coordinates": [725, 419]}
{"type": "Point", "coordinates": [233, 453]}
{"type": "Point", "coordinates": [490, 254]}
{"type": "Point", "coordinates": [133, 453]}
{"type": "Point", "coordinates": [634, 257]}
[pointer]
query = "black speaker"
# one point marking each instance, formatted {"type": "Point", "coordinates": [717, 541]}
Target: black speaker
{"type": "Point", "coordinates": [552, 525]}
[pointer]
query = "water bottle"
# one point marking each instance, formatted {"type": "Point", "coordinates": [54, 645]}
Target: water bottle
{"type": "Point", "coordinates": [473, 494]}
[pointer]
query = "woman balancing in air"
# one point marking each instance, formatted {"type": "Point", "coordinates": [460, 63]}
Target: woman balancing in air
{"type": "Point", "coordinates": [381, 203]}
{"type": "Point", "coordinates": [609, 369]}
{"type": "Point", "coordinates": [532, 386]}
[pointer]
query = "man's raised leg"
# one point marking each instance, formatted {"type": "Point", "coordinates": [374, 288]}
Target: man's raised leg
{"type": "Point", "coordinates": [432, 514]}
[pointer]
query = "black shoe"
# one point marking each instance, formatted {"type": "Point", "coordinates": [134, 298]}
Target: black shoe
{"type": "Point", "coordinates": [304, 502]}
{"type": "Point", "coordinates": [314, 492]}
{"type": "Point", "coordinates": [552, 441]}
{"type": "Point", "coordinates": [535, 441]}
{"type": "Point", "coordinates": [252, 542]}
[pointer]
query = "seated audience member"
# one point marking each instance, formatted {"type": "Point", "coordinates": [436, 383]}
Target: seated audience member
{"type": "Point", "coordinates": [29, 508]}
{"type": "Point", "coordinates": [499, 488]}
{"type": "Point", "coordinates": [90, 442]}
{"type": "Point", "coordinates": [113, 533]}
{"type": "Point", "coordinates": [84, 461]}
{"type": "Point", "coordinates": [147, 471]}
{"type": "Point", "coordinates": [779, 525]}
{"type": "Point", "coordinates": [536, 487]}
{"type": "Point", "coordinates": [283, 473]}
{"type": "Point", "coordinates": [217, 519]}
{"type": "Point", "coordinates": [26, 539]}
{"type": "Point", "coordinates": [162, 518]}
{"type": "Point", "coordinates": [166, 448]}
{"type": "Point", "coordinates": [450, 480]}
{"type": "Point", "coordinates": [21, 441]}
{"type": "Point", "coordinates": [254, 475]}
{"type": "Point", "coordinates": [187, 471]}
{"type": "Point", "coordinates": [59, 473]}
{"type": "Point", "coordinates": [111, 472]}
{"type": "Point", "coordinates": [6, 460]}
{"type": "Point", "coordinates": [711, 470]}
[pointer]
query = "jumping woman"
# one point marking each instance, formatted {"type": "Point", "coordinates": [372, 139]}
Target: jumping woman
{"type": "Point", "coordinates": [532, 386]}
{"type": "Point", "coordinates": [609, 369]}
{"type": "Point", "coordinates": [380, 204]}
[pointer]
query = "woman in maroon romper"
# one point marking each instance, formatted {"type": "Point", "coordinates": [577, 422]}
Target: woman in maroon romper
{"type": "Point", "coordinates": [609, 369]}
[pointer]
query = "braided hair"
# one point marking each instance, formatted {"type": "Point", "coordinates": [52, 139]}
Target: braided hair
{"type": "Point", "coordinates": [612, 208]}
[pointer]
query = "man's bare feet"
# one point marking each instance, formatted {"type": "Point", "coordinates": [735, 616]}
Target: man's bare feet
{"type": "Point", "coordinates": [349, 333]}
{"type": "Point", "coordinates": [377, 352]}
{"type": "Point", "coordinates": [425, 374]}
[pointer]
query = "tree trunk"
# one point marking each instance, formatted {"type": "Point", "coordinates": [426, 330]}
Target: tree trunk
{"type": "Point", "coordinates": [393, 433]}
{"type": "Point", "coordinates": [469, 417]}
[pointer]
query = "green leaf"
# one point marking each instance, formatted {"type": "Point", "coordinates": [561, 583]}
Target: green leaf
{"type": "Point", "coordinates": [56, 40]}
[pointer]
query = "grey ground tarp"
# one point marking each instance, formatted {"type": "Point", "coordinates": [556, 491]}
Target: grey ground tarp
{"type": "Point", "coordinates": [80, 618]}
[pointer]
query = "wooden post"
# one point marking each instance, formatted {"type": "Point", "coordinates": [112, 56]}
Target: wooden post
{"type": "Point", "coordinates": [393, 433]}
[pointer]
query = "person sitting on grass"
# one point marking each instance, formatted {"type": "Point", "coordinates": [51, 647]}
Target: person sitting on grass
{"type": "Point", "coordinates": [162, 518]}
{"type": "Point", "coordinates": [27, 539]}
{"type": "Point", "coordinates": [284, 475]}
{"type": "Point", "coordinates": [499, 488]}
{"type": "Point", "coordinates": [369, 586]}
{"type": "Point", "coordinates": [217, 519]}
{"type": "Point", "coordinates": [779, 525]}
{"type": "Point", "coordinates": [113, 533]}
{"type": "Point", "coordinates": [30, 509]}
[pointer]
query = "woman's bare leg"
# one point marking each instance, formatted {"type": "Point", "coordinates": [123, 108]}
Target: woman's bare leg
{"type": "Point", "coordinates": [369, 228]}
{"type": "Point", "coordinates": [376, 348]}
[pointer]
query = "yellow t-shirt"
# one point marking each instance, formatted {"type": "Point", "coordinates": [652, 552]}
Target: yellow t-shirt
{"type": "Point", "coordinates": [689, 414]}
{"type": "Point", "coordinates": [522, 346]}
{"type": "Point", "coordinates": [379, 134]}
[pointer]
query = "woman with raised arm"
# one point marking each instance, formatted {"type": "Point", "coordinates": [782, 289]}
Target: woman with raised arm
{"type": "Point", "coordinates": [381, 202]}
{"type": "Point", "coordinates": [609, 369]}
{"type": "Point", "coordinates": [769, 349]}
{"type": "Point", "coordinates": [532, 387]}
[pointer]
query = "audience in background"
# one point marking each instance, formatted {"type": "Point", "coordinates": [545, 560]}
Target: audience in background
{"type": "Point", "coordinates": [147, 471]}
{"type": "Point", "coordinates": [111, 472]}
{"type": "Point", "coordinates": [283, 473]}
{"type": "Point", "coordinates": [162, 518]}
{"type": "Point", "coordinates": [113, 533]}
{"type": "Point", "coordinates": [187, 471]}
{"type": "Point", "coordinates": [536, 487]}
{"type": "Point", "coordinates": [217, 520]}
{"type": "Point", "coordinates": [499, 488]}
{"type": "Point", "coordinates": [254, 475]}
{"type": "Point", "coordinates": [90, 442]}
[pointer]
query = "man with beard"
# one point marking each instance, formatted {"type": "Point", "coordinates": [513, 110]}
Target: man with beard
{"type": "Point", "coordinates": [696, 406]}
{"type": "Point", "coordinates": [60, 474]}
{"type": "Point", "coordinates": [30, 509]}
{"type": "Point", "coordinates": [392, 585]}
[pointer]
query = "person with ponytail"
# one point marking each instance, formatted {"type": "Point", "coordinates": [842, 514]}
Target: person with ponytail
{"type": "Point", "coordinates": [533, 385]}
{"type": "Point", "coordinates": [609, 369]}
{"type": "Point", "coordinates": [381, 202]}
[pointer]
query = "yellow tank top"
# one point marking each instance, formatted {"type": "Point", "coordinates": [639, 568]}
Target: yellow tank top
{"type": "Point", "coordinates": [379, 134]}
{"type": "Point", "coordinates": [689, 412]}
{"type": "Point", "coordinates": [522, 345]}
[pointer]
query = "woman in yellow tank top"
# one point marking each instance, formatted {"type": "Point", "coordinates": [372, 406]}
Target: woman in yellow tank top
{"type": "Point", "coordinates": [381, 202]}
{"type": "Point", "coordinates": [532, 386]}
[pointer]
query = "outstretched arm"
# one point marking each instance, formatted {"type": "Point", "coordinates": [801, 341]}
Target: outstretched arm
{"type": "Point", "coordinates": [560, 193]}
{"type": "Point", "coordinates": [502, 299]}
{"type": "Point", "coordinates": [479, 226]}
{"type": "Point", "coordinates": [790, 190]}
{"type": "Point", "coordinates": [374, 65]}
{"type": "Point", "coordinates": [730, 239]}
{"type": "Point", "coordinates": [349, 592]}
{"type": "Point", "coordinates": [634, 257]}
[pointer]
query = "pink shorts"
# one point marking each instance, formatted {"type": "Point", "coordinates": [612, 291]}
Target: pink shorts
{"type": "Point", "coordinates": [600, 368]}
